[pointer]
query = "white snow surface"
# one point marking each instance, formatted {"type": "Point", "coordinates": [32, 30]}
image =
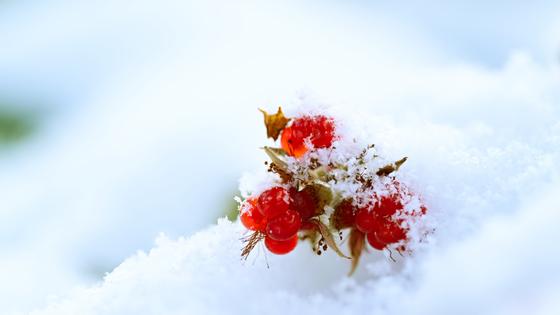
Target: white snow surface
{"type": "Point", "coordinates": [507, 267]}
{"type": "Point", "coordinates": [479, 121]}
{"type": "Point", "coordinates": [491, 185]}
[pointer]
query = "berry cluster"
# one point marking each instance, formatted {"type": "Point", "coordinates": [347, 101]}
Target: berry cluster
{"type": "Point", "coordinates": [383, 222]}
{"type": "Point", "coordinates": [279, 214]}
{"type": "Point", "coordinates": [322, 191]}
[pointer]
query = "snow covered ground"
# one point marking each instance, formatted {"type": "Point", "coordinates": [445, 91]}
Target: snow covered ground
{"type": "Point", "coordinates": [493, 196]}
{"type": "Point", "coordinates": [507, 267]}
{"type": "Point", "coordinates": [154, 120]}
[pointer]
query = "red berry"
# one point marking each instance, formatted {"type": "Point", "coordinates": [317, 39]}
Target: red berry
{"type": "Point", "coordinates": [284, 226]}
{"type": "Point", "coordinates": [366, 220]}
{"type": "Point", "coordinates": [389, 205]}
{"type": "Point", "coordinates": [344, 215]}
{"type": "Point", "coordinates": [280, 247]}
{"type": "Point", "coordinates": [273, 202]}
{"type": "Point", "coordinates": [304, 202]}
{"type": "Point", "coordinates": [390, 232]}
{"type": "Point", "coordinates": [290, 145]}
{"type": "Point", "coordinates": [318, 129]}
{"type": "Point", "coordinates": [250, 216]}
{"type": "Point", "coordinates": [322, 134]}
{"type": "Point", "coordinates": [374, 242]}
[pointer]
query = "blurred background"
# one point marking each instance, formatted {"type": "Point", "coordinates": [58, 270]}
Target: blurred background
{"type": "Point", "coordinates": [120, 120]}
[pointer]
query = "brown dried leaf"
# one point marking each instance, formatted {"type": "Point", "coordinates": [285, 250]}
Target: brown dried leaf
{"type": "Point", "coordinates": [277, 156]}
{"type": "Point", "coordinates": [274, 123]}
{"type": "Point", "coordinates": [284, 175]}
{"type": "Point", "coordinates": [312, 235]}
{"type": "Point", "coordinates": [278, 151]}
{"type": "Point", "coordinates": [400, 162]}
{"type": "Point", "coordinates": [356, 243]}
{"type": "Point", "coordinates": [327, 235]}
{"type": "Point", "coordinates": [323, 192]}
{"type": "Point", "coordinates": [390, 168]}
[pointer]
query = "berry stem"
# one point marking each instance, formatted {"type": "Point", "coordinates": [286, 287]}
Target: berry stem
{"type": "Point", "coordinates": [250, 242]}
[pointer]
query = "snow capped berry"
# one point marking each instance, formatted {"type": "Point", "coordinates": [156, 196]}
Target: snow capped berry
{"type": "Point", "coordinates": [389, 205]}
{"type": "Point", "coordinates": [284, 226]}
{"type": "Point", "coordinates": [390, 233]}
{"type": "Point", "coordinates": [273, 202]}
{"type": "Point", "coordinates": [344, 215]}
{"type": "Point", "coordinates": [304, 202]}
{"type": "Point", "coordinates": [366, 220]}
{"type": "Point", "coordinates": [318, 129]}
{"type": "Point", "coordinates": [250, 216]}
{"type": "Point", "coordinates": [374, 242]}
{"type": "Point", "coordinates": [280, 247]}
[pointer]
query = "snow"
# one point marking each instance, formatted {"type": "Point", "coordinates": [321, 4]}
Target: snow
{"type": "Point", "coordinates": [507, 267]}
{"type": "Point", "coordinates": [491, 190]}
{"type": "Point", "coordinates": [131, 153]}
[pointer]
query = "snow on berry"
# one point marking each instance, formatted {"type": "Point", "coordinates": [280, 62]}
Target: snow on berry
{"type": "Point", "coordinates": [307, 132]}
{"type": "Point", "coordinates": [250, 216]}
{"type": "Point", "coordinates": [326, 185]}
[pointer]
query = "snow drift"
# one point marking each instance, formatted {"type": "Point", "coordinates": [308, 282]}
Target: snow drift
{"type": "Point", "coordinates": [491, 185]}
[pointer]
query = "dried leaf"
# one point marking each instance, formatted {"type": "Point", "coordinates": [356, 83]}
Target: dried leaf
{"type": "Point", "coordinates": [327, 235]}
{"type": "Point", "coordinates": [312, 235]}
{"type": "Point", "coordinates": [278, 151]}
{"type": "Point", "coordinates": [400, 162]}
{"type": "Point", "coordinates": [274, 123]}
{"type": "Point", "coordinates": [336, 200]}
{"type": "Point", "coordinates": [390, 168]}
{"type": "Point", "coordinates": [278, 157]}
{"type": "Point", "coordinates": [356, 243]}
{"type": "Point", "coordinates": [285, 176]}
{"type": "Point", "coordinates": [319, 173]}
{"type": "Point", "coordinates": [323, 192]}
